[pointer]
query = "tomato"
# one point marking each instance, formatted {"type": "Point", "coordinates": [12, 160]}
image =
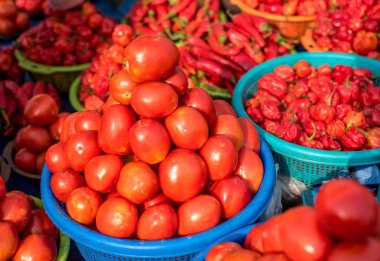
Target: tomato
{"type": "Point", "coordinates": [160, 198]}
{"type": "Point", "coordinates": [56, 159]}
{"type": "Point", "coordinates": [3, 189]}
{"type": "Point", "coordinates": [151, 58]}
{"type": "Point", "coordinates": [182, 175]}
{"type": "Point", "coordinates": [41, 110]}
{"type": "Point", "coordinates": [154, 100]}
{"type": "Point", "coordinates": [250, 168]}
{"type": "Point", "coordinates": [18, 142]}
{"type": "Point", "coordinates": [68, 127]}
{"type": "Point", "coordinates": [178, 81]}
{"type": "Point", "coordinates": [36, 247]}
{"type": "Point", "coordinates": [40, 224]}
{"type": "Point", "coordinates": [64, 182]}
{"type": "Point", "coordinates": [114, 127]}
{"type": "Point", "coordinates": [233, 195]}
{"type": "Point", "coordinates": [80, 148]}
{"type": "Point", "coordinates": [376, 230]}
{"type": "Point", "coordinates": [109, 102]}
{"type": "Point", "coordinates": [9, 242]}
{"type": "Point", "coordinates": [29, 198]}
{"type": "Point", "coordinates": [137, 182]}
{"type": "Point", "coordinates": [93, 103]}
{"type": "Point", "coordinates": [117, 217]}
{"type": "Point", "coordinates": [157, 222]}
{"type": "Point", "coordinates": [82, 205]}
{"type": "Point", "coordinates": [149, 141]}
{"type": "Point", "coordinates": [15, 208]}
{"type": "Point", "coordinates": [202, 101]}
{"type": "Point", "coordinates": [102, 172]}
{"type": "Point", "coordinates": [240, 254]}
{"type": "Point", "coordinates": [121, 87]}
{"type": "Point", "coordinates": [251, 138]}
{"type": "Point", "coordinates": [36, 139]}
{"type": "Point", "coordinates": [219, 251]}
{"type": "Point", "coordinates": [87, 120]}
{"type": "Point", "coordinates": [22, 21]}
{"type": "Point", "coordinates": [229, 126]}
{"type": "Point", "coordinates": [26, 160]}
{"type": "Point", "coordinates": [55, 128]}
{"type": "Point", "coordinates": [8, 9]}
{"type": "Point", "coordinates": [274, 257]}
{"type": "Point", "coordinates": [40, 161]}
{"type": "Point", "coordinates": [302, 236]}
{"type": "Point", "coordinates": [220, 155]}
{"type": "Point", "coordinates": [223, 108]}
{"type": "Point", "coordinates": [346, 209]}
{"type": "Point", "coordinates": [367, 249]}
{"type": "Point", "coordinates": [198, 214]}
{"type": "Point", "coordinates": [113, 194]}
{"type": "Point", "coordinates": [6, 27]}
{"type": "Point", "coordinates": [187, 128]}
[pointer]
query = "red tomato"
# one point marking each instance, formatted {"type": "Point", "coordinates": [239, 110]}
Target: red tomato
{"type": "Point", "coordinates": [114, 127]}
{"type": "Point", "coordinates": [137, 182]}
{"type": "Point", "coordinates": [64, 182]}
{"type": "Point", "coordinates": [220, 155]}
{"type": "Point", "coordinates": [18, 142]}
{"type": "Point", "coordinates": [178, 81]}
{"type": "Point", "coordinates": [41, 110]}
{"type": "Point", "coordinates": [80, 148]}
{"type": "Point", "coordinates": [346, 209]}
{"type": "Point", "coordinates": [117, 217]}
{"type": "Point", "coordinates": [154, 100]}
{"type": "Point", "coordinates": [219, 251]}
{"type": "Point", "coordinates": [157, 222]}
{"type": "Point", "coordinates": [102, 172]}
{"type": "Point", "coordinates": [251, 138]}
{"type": "Point", "coordinates": [3, 189]}
{"type": "Point", "coordinates": [121, 87]}
{"type": "Point", "coordinates": [233, 195]}
{"type": "Point", "coordinates": [223, 108]}
{"type": "Point", "coordinates": [198, 214]}
{"type": "Point", "coordinates": [109, 102]}
{"type": "Point", "coordinates": [240, 254]}
{"type": "Point", "coordinates": [40, 161]}
{"type": "Point", "coordinates": [40, 224]}
{"type": "Point", "coordinates": [68, 127]}
{"type": "Point", "coordinates": [155, 64]}
{"type": "Point", "coordinates": [36, 139]}
{"type": "Point", "coordinates": [274, 257]}
{"type": "Point", "coordinates": [55, 128]}
{"type": "Point", "coordinates": [87, 120]}
{"type": "Point", "coordinates": [8, 9]}
{"type": "Point", "coordinates": [15, 208]}
{"type": "Point", "coordinates": [55, 158]}
{"type": "Point", "coordinates": [250, 168]}
{"type": "Point", "coordinates": [9, 242]}
{"type": "Point", "coordinates": [29, 198]}
{"type": "Point", "coordinates": [182, 175]}
{"type": "Point", "coordinates": [160, 198]}
{"type": "Point", "coordinates": [26, 160]}
{"type": "Point", "coordinates": [83, 204]}
{"type": "Point", "coordinates": [36, 247]}
{"type": "Point", "coordinates": [113, 194]}
{"type": "Point", "coordinates": [302, 236]}
{"type": "Point", "coordinates": [229, 125]}
{"type": "Point", "coordinates": [187, 128]}
{"type": "Point", "coordinates": [22, 21]}
{"type": "Point", "coordinates": [7, 28]}
{"type": "Point", "coordinates": [149, 141]}
{"type": "Point", "coordinates": [202, 101]}
{"type": "Point", "coordinates": [375, 233]}
{"type": "Point", "coordinates": [367, 250]}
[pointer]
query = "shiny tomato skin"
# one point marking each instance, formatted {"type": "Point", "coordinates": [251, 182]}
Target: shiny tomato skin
{"type": "Point", "coordinates": [109, 102]}
{"type": "Point", "coordinates": [274, 257]}
{"type": "Point", "coordinates": [117, 217]}
{"type": "Point", "coordinates": [40, 224]}
{"type": "Point", "coordinates": [55, 128]}
{"type": "Point", "coordinates": [137, 182]}
{"type": "Point", "coordinates": [233, 195]}
{"type": "Point", "coordinates": [15, 208]}
{"type": "Point", "coordinates": [83, 204]}
{"type": "Point", "coordinates": [9, 246]}
{"type": "Point", "coordinates": [26, 160]}
{"type": "Point", "coordinates": [102, 172]}
{"type": "Point", "coordinates": [346, 209]}
{"type": "Point", "coordinates": [182, 175]}
{"type": "Point", "coordinates": [41, 110]}
{"type": "Point", "coordinates": [55, 158]}
{"type": "Point", "coordinates": [68, 127]}
{"type": "Point", "coordinates": [229, 126]}
{"type": "Point", "coordinates": [149, 140]}
{"type": "Point", "coordinates": [80, 148]}
{"type": "Point", "coordinates": [219, 251]}
{"type": "Point", "coordinates": [114, 127]}
{"type": "Point", "coordinates": [160, 198]}
{"type": "Point", "coordinates": [198, 214]}
{"type": "Point", "coordinates": [157, 222]}
{"type": "Point", "coordinates": [251, 138]}
{"type": "Point", "coordinates": [223, 108]}
{"type": "Point", "coordinates": [151, 58]}
{"type": "Point", "coordinates": [36, 247]}
{"type": "Point", "coordinates": [202, 101]}
{"type": "Point", "coordinates": [64, 182]}
{"type": "Point", "coordinates": [187, 128]}
{"type": "Point", "coordinates": [121, 87]}
{"type": "Point", "coordinates": [178, 80]}
{"type": "Point", "coordinates": [240, 255]}
{"type": "Point", "coordinates": [35, 139]}
{"type": "Point", "coordinates": [367, 249]}
{"type": "Point", "coordinates": [154, 100]}
{"type": "Point", "coordinates": [40, 162]}
{"type": "Point", "coordinates": [220, 155]}
{"type": "Point", "coordinates": [3, 189]}
{"type": "Point", "coordinates": [87, 120]}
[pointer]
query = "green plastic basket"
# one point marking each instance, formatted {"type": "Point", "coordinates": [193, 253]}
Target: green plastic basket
{"type": "Point", "coordinates": [311, 166]}
{"type": "Point", "coordinates": [74, 95]}
{"type": "Point", "coordinates": [60, 76]}
{"type": "Point", "coordinates": [64, 241]}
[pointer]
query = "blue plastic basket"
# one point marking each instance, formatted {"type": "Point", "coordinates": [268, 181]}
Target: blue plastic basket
{"type": "Point", "coordinates": [95, 246]}
{"type": "Point", "coordinates": [310, 166]}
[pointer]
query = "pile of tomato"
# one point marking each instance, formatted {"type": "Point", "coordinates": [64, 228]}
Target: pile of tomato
{"type": "Point", "coordinates": [9, 69]}
{"type": "Point", "coordinates": [12, 20]}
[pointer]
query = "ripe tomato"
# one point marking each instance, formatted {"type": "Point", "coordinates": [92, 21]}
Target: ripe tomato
{"type": "Point", "coordinates": [40, 224]}
{"type": "Point", "coordinates": [160, 198]}
{"type": "Point", "coordinates": [3, 189]}
{"type": "Point", "coordinates": [55, 158]}
{"type": "Point", "coordinates": [36, 247]}
{"type": "Point", "coordinates": [8, 10]}
{"type": "Point", "coordinates": [229, 125]}
{"type": "Point", "coordinates": [102, 172]}
{"type": "Point", "coordinates": [9, 242]}
{"type": "Point", "coordinates": [121, 87]}
{"type": "Point", "coordinates": [114, 127]}
{"type": "Point", "coordinates": [251, 138]}
{"type": "Point", "coordinates": [154, 100]}
{"type": "Point", "coordinates": [187, 128]}
{"type": "Point", "coordinates": [178, 80]}
{"type": "Point", "coordinates": [240, 255]}
{"type": "Point", "coordinates": [346, 209]}
{"type": "Point", "coordinates": [137, 182]}
{"type": "Point", "coordinates": [117, 217]}
{"type": "Point", "coordinates": [155, 64]}
{"type": "Point", "coordinates": [18, 142]}
{"type": "Point", "coordinates": [220, 155]}
{"type": "Point", "coordinates": [233, 195]}
{"type": "Point", "coordinates": [87, 120]}
{"type": "Point", "coordinates": [223, 108]}
{"type": "Point", "coordinates": [41, 110]}
{"type": "Point", "coordinates": [15, 208]}
{"type": "Point", "coordinates": [40, 162]}
{"type": "Point", "coordinates": [22, 21]}
{"type": "Point", "coordinates": [157, 222]}
{"type": "Point", "coordinates": [109, 102]}
{"type": "Point", "coordinates": [367, 249]}
{"type": "Point", "coordinates": [250, 168]}
{"type": "Point", "coordinates": [202, 101]}
{"type": "Point", "coordinates": [182, 175]}
{"type": "Point", "coordinates": [35, 139]}
{"type": "Point", "coordinates": [219, 251]}
{"type": "Point", "coordinates": [26, 160]}
{"type": "Point", "coordinates": [55, 128]}
{"type": "Point", "coordinates": [149, 141]}
{"type": "Point", "coordinates": [64, 182]}
{"type": "Point", "coordinates": [29, 198]}
{"type": "Point", "coordinates": [68, 127]}
{"type": "Point", "coordinates": [274, 257]}
{"type": "Point", "coordinates": [198, 214]}
{"type": "Point", "coordinates": [82, 205]}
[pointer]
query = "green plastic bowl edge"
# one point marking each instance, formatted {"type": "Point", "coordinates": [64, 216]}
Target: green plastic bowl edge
{"type": "Point", "coordinates": [64, 241]}
{"type": "Point", "coordinates": [73, 95]}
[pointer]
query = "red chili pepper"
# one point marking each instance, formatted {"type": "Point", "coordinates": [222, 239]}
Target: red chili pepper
{"type": "Point", "coordinates": [39, 87]}
{"type": "Point", "coordinates": [17, 92]}
{"type": "Point", "coordinates": [217, 39]}
{"type": "Point", "coordinates": [178, 7]}
{"type": "Point", "coordinates": [286, 72]}
{"type": "Point", "coordinates": [315, 128]}
{"type": "Point", "coordinates": [288, 131]}
{"type": "Point", "coordinates": [237, 38]}
{"type": "Point", "coordinates": [353, 139]}
{"type": "Point", "coordinates": [340, 73]}
{"type": "Point", "coordinates": [273, 84]}
{"type": "Point", "coordinates": [187, 14]}
{"type": "Point", "coordinates": [330, 98]}
{"type": "Point", "coordinates": [322, 112]}
{"type": "Point", "coordinates": [361, 72]}
{"type": "Point", "coordinates": [157, 2]}
{"type": "Point", "coordinates": [11, 104]}
{"type": "Point", "coordinates": [370, 96]}
{"type": "Point", "coordinates": [215, 69]}
{"type": "Point", "coordinates": [253, 102]}
{"type": "Point", "coordinates": [354, 118]}
{"type": "Point", "coordinates": [243, 21]}
{"type": "Point", "coordinates": [335, 129]}
{"type": "Point", "coordinates": [290, 8]}
{"type": "Point", "coordinates": [372, 116]}
{"type": "Point", "coordinates": [371, 26]}
{"type": "Point", "coordinates": [255, 54]}
{"type": "Point", "coordinates": [197, 41]}
{"type": "Point", "coordinates": [300, 89]}
{"type": "Point", "coordinates": [255, 114]}
{"type": "Point", "coordinates": [349, 91]}
{"type": "Point", "coordinates": [271, 50]}
{"type": "Point", "coordinates": [299, 105]}
{"type": "Point", "coordinates": [137, 12]}
{"type": "Point", "coordinates": [342, 111]}
{"type": "Point", "coordinates": [270, 110]}
{"type": "Point", "coordinates": [270, 126]}
{"type": "Point", "coordinates": [28, 89]}
{"type": "Point", "coordinates": [373, 138]}
{"type": "Point", "coordinates": [365, 42]}
{"type": "Point", "coordinates": [302, 69]}
{"type": "Point", "coordinates": [162, 12]}
{"type": "Point", "coordinates": [4, 120]}
{"type": "Point", "coordinates": [374, 13]}
{"type": "Point", "coordinates": [289, 115]}
{"type": "Point", "coordinates": [264, 95]}
{"type": "Point", "coordinates": [309, 142]}
{"type": "Point", "coordinates": [243, 60]}
{"type": "Point", "coordinates": [54, 94]}
{"type": "Point", "coordinates": [329, 143]}
{"type": "Point", "coordinates": [214, 9]}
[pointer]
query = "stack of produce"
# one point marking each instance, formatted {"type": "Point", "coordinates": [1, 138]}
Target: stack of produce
{"type": "Point", "coordinates": [33, 7]}
{"type": "Point", "coordinates": [191, 163]}
{"type": "Point", "coordinates": [9, 68]}
{"type": "Point", "coordinates": [322, 108]}
{"type": "Point", "coordinates": [12, 21]}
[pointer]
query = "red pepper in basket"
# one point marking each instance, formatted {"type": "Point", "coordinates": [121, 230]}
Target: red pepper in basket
{"type": "Point", "coordinates": [273, 84]}
{"type": "Point", "coordinates": [372, 116]}
{"type": "Point", "coordinates": [341, 73]}
{"type": "Point", "coordinates": [324, 70]}
{"type": "Point", "coordinates": [329, 143]}
{"type": "Point", "coordinates": [349, 91]}
{"type": "Point", "coordinates": [270, 110]}
{"type": "Point", "coordinates": [288, 131]}
{"type": "Point", "coordinates": [196, 41]}
{"type": "Point", "coordinates": [365, 42]}
{"type": "Point", "coordinates": [300, 89]}
{"type": "Point", "coordinates": [286, 72]}
{"type": "Point", "coordinates": [341, 111]}
{"type": "Point", "coordinates": [299, 105]}
{"type": "Point", "coordinates": [215, 69]}
{"type": "Point", "coordinates": [243, 21]}
{"type": "Point", "coordinates": [309, 142]}
{"type": "Point", "coordinates": [289, 115]}
{"type": "Point", "coordinates": [188, 13]}
{"type": "Point", "coordinates": [322, 112]}
{"type": "Point", "coordinates": [243, 60]}
{"type": "Point", "coordinates": [264, 95]}
{"type": "Point", "coordinates": [28, 89]}
{"type": "Point", "coordinates": [157, 2]}
{"type": "Point", "coordinates": [4, 120]}
{"type": "Point", "coordinates": [17, 92]}
{"type": "Point", "coordinates": [179, 6]}
{"type": "Point", "coordinates": [238, 39]}
{"type": "Point", "coordinates": [162, 15]}
{"type": "Point", "coordinates": [330, 98]}
{"type": "Point", "coordinates": [217, 39]}
{"type": "Point", "coordinates": [315, 128]}
{"type": "Point", "coordinates": [270, 126]}
{"type": "Point", "coordinates": [361, 72]}
{"type": "Point", "coordinates": [255, 114]}
{"type": "Point", "coordinates": [353, 139]}
{"type": "Point", "coordinates": [302, 69]}
{"type": "Point", "coordinates": [354, 118]}
{"type": "Point", "coordinates": [335, 129]}
{"type": "Point", "coordinates": [255, 54]}
{"type": "Point", "coordinates": [370, 96]}
{"type": "Point", "coordinates": [373, 138]}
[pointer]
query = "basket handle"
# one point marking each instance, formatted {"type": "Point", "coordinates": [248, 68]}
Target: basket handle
{"type": "Point", "coordinates": [308, 42]}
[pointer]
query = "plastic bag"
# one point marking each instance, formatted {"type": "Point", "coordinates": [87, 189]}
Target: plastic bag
{"type": "Point", "coordinates": [275, 205]}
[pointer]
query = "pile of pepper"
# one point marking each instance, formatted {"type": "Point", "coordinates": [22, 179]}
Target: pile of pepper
{"type": "Point", "coordinates": [9, 68]}
{"type": "Point", "coordinates": [322, 108]}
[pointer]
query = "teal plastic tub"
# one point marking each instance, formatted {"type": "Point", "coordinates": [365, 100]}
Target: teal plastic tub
{"type": "Point", "coordinates": [308, 165]}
